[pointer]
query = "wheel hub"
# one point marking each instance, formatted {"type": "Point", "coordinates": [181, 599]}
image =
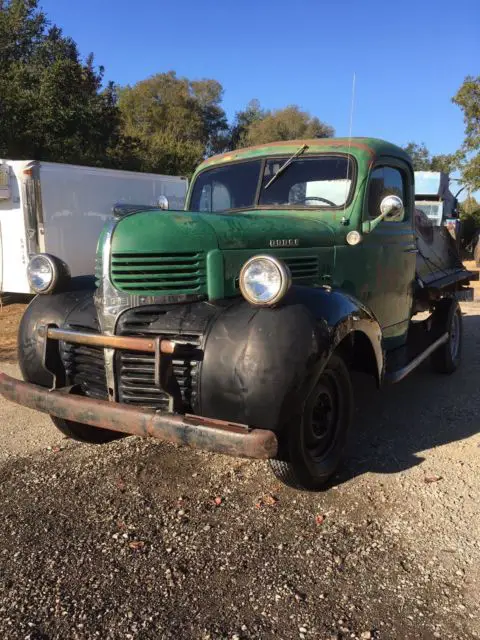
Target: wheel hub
{"type": "Point", "coordinates": [320, 431]}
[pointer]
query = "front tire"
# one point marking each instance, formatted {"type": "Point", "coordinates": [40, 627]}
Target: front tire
{"type": "Point", "coordinates": [84, 432]}
{"type": "Point", "coordinates": [447, 317]}
{"type": "Point", "coordinates": [316, 439]}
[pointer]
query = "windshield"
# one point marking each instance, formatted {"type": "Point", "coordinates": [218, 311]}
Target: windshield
{"type": "Point", "coordinates": [307, 182]}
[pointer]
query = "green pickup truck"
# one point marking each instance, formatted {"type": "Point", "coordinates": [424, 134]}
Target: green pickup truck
{"type": "Point", "coordinates": [234, 325]}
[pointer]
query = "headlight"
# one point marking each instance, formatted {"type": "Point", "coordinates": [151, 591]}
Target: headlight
{"type": "Point", "coordinates": [46, 272]}
{"type": "Point", "coordinates": [264, 280]}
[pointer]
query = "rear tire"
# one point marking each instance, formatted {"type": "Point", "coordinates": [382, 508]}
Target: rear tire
{"type": "Point", "coordinates": [447, 317]}
{"type": "Point", "coordinates": [316, 439]}
{"type": "Point", "coordinates": [84, 432]}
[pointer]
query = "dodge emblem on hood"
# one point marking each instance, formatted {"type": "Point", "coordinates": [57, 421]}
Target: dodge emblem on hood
{"type": "Point", "coordinates": [291, 242]}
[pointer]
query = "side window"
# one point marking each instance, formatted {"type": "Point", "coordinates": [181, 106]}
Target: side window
{"type": "Point", "coordinates": [385, 181]}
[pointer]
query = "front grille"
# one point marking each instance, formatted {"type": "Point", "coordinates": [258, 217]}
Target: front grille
{"type": "Point", "coordinates": [85, 366]}
{"type": "Point", "coordinates": [136, 383]}
{"type": "Point", "coordinates": [159, 273]}
{"type": "Point", "coordinates": [136, 371]}
{"type": "Point", "coordinates": [303, 267]}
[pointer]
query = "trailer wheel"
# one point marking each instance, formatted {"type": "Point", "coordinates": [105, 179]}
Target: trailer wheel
{"type": "Point", "coordinates": [447, 317]}
{"type": "Point", "coordinates": [84, 432]}
{"type": "Point", "coordinates": [315, 441]}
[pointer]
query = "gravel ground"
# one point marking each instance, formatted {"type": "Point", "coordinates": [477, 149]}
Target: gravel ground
{"type": "Point", "coordinates": [143, 540]}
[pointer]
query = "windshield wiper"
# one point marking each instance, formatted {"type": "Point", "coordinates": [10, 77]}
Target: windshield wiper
{"type": "Point", "coordinates": [286, 164]}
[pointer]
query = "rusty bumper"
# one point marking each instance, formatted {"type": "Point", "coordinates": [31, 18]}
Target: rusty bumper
{"type": "Point", "coordinates": [193, 431]}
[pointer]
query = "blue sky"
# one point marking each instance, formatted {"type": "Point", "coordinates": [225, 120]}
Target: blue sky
{"type": "Point", "coordinates": [409, 57]}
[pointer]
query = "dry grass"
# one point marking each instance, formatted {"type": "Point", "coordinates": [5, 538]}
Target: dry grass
{"type": "Point", "coordinates": [10, 315]}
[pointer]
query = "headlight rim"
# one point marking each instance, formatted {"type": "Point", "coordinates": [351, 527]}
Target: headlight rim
{"type": "Point", "coordinates": [60, 273]}
{"type": "Point", "coordinates": [285, 274]}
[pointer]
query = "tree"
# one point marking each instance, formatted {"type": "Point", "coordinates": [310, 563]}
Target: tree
{"type": "Point", "coordinates": [175, 122]}
{"type": "Point", "coordinates": [446, 162]}
{"type": "Point", "coordinates": [243, 121]}
{"type": "Point", "coordinates": [282, 124]}
{"type": "Point", "coordinates": [52, 105]}
{"type": "Point", "coordinates": [470, 217]}
{"type": "Point", "coordinates": [423, 161]}
{"type": "Point", "coordinates": [468, 99]}
{"type": "Point", "coordinates": [21, 28]}
{"type": "Point", "coordinates": [208, 96]}
{"type": "Point", "coordinates": [420, 156]}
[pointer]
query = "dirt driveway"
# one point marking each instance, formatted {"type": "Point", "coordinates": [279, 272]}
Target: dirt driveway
{"type": "Point", "coordinates": [142, 540]}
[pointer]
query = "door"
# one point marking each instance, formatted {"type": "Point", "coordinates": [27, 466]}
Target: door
{"type": "Point", "coordinates": [390, 251]}
{"type": "Point", "coordinates": [14, 255]}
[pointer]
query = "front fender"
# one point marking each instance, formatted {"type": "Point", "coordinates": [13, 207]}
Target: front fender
{"type": "Point", "coordinates": [257, 361]}
{"type": "Point", "coordinates": [344, 315]}
{"type": "Point", "coordinates": [54, 309]}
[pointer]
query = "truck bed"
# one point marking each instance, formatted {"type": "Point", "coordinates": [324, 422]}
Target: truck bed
{"type": "Point", "coordinates": [438, 263]}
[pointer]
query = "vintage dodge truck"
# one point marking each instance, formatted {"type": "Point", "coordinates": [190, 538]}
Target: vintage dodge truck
{"type": "Point", "coordinates": [234, 325]}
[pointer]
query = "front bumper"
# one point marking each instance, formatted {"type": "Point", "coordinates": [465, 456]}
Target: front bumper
{"type": "Point", "coordinates": [194, 431]}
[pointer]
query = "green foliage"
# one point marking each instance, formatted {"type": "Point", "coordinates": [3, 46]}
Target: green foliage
{"type": "Point", "coordinates": [470, 217]}
{"type": "Point", "coordinates": [420, 156]}
{"type": "Point", "coordinates": [174, 121]}
{"type": "Point", "coordinates": [52, 106]}
{"type": "Point", "coordinates": [423, 161]}
{"type": "Point", "coordinates": [21, 29]}
{"type": "Point", "coordinates": [243, 121]}
{"type": "Point", "coordinates": [446, 162]}
{"type": "Point", "coordinates": [258, 127]}
{"type": "Point", "coordinates": [468, 99]}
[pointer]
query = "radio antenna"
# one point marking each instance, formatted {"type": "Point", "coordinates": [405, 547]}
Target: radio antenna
{"type": "Point", "coordinates": [352, 107]}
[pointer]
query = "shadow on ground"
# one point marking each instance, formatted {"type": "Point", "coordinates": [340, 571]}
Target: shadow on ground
{"type": "Point", "coordinates": [426, 410]}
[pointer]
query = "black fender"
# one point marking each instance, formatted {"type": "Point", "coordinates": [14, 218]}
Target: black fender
{"type": "Point", "coordinates": [57, 309]}
{"type": "Point", "coordinates": [257, 361]}
{"type": "Point", "coordinates": [347, 319]}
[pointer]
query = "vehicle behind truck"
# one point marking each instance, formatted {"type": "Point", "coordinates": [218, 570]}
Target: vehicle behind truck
{"type": "Point", "coordinates": [434, 198]}
{"type": "Point", "coordinates": [234, 325]}
{"type": "Point", "coordinates": [49, 207]}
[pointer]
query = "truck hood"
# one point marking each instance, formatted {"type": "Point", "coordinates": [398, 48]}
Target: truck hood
{"type": "Point", "coordinates": [153, 231]}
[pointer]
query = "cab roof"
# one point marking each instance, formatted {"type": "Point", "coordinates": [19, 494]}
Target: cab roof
{"type": "Point", "coordinates": [366, 147]}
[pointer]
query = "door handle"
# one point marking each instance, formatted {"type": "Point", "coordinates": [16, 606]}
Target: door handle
{"type": "Point", "coordinates": [411, 251]}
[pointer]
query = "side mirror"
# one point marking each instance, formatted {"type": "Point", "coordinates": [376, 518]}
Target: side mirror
{"type": "Point", "coordinates": [391, 208]}
{"type": "Point", "coordinates": [163, 202]}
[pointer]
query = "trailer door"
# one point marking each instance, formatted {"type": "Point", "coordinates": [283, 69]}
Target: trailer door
{"type": "Point", "coordinates": [14, 254]}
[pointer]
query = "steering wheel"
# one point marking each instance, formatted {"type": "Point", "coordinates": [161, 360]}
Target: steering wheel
{"type": "Point", "coordinates": [321, 200]}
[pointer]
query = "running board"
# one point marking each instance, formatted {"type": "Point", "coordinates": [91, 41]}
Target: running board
{"type": "Point", "coordinates": [400, 374]}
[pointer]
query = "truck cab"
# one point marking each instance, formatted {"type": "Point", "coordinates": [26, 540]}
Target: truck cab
{"type": "Point", "coordinates": [234, 324]}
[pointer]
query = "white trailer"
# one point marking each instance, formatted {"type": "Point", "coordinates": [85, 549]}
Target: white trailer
{"type": "Point", "coordinates": [60, 209]}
